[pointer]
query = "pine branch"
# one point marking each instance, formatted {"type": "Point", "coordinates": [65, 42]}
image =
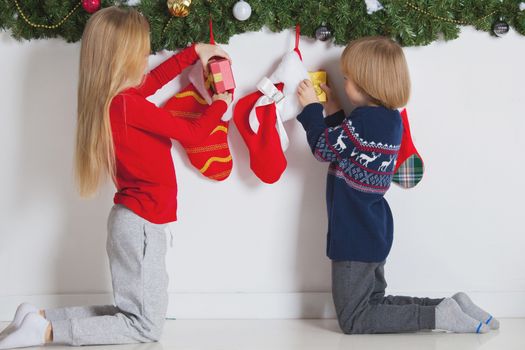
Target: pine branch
{"type": "Point", "coordinates": [347, 19]}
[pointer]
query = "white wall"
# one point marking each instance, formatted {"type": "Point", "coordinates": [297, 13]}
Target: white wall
{"type": "Point", "coordinates": [245, 249]}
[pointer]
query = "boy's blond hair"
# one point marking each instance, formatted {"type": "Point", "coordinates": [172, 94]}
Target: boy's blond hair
{"type": "Point", "coordinates": [378, 67]}
{"type": "Point", "coordinates": [114, 45]}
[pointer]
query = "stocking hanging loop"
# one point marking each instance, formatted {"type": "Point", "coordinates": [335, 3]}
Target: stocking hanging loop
{"type": "Point", "coordinates": [212, 38]}
{"type": "Point", "coordinates": [297, 39]}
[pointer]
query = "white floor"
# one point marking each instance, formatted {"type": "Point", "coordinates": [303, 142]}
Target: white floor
{"type": "Point", "coordinates": [315, 334]}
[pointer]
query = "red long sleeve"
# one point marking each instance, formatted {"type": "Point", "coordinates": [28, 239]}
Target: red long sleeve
{"type": "Point", "coordinates": [167, 70]}
{"type": "Point", "coordinates": [144, 115]}
{"type": "Point", "coordinates": [146, 179]}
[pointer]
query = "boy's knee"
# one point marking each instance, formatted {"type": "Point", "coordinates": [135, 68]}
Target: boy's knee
{"type": "Point", "coordinates": [350, 325]}
{"type": "Point", "coordinates": [348, 329]}
{"type": "Point", "coordinates": [345, 325]}
{"type": "Point", "coordinates": [351, 329]}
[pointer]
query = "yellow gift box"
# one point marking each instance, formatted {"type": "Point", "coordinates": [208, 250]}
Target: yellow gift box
{"type": "Point", "coordinates": [317, 79]}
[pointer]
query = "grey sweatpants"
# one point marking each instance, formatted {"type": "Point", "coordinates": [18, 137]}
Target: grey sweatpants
{"type": "Point", "coordinates": [136, 249]}
{"type": "Point", "coordinates": [358, 290]}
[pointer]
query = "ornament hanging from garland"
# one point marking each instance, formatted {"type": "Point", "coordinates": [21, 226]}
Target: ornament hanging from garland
{"type": "Point", "coordinates": [500, 28]}
{"type": "Point", "coordinates": [242, 10]}
{"type": "Point", "coordinates": [373, 6]}
{"type": "Point", "coordinates": [24, 20]}
{"type": "Point", "coordinates": [91, 6]}
{"type": "Point", "coordinates": [323, 33]}
{"type": "Point", "coordinates": [179, 8]}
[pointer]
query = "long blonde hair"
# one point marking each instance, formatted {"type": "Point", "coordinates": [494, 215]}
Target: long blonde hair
{"type": "Point", "coordinates": [114, 45]}
{"type": "Point", "coordinates": [377, 65]}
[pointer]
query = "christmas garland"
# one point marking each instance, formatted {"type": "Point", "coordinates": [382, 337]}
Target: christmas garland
{"type": "Point", "coordinates": [175, 23]}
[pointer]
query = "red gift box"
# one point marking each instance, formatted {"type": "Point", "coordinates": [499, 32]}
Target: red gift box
{"type": "Point", "coordinates": [221, 75]}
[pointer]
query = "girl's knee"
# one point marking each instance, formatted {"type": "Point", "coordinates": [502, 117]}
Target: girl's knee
{"type": "Point", "coordinates": [154, 330]}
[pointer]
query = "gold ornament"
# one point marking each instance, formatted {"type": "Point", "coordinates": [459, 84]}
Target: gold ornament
{"type": "Point", "coordinates": [179, 8]}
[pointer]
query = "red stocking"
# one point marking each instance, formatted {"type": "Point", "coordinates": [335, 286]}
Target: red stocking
{"type": "Point", "coordinates": [267, 158]}
{"type": "Point", "coordinates": [410, 166]}
{"type": "Point", "coordinates": [211, 157]}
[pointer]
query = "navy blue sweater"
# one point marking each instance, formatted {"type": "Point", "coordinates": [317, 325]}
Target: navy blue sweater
{"type": "Point", "coordinates": [362, 150]}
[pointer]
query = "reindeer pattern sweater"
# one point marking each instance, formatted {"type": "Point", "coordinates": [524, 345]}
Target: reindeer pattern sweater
{"type": "Point", "coordinates": [362, 150]}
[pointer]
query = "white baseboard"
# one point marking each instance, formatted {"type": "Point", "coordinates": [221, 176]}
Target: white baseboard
{"type": "Point", "coordinates": [256, 305]}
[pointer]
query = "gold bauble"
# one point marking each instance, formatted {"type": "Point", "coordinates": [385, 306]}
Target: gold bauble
{"type": "Point", "coordinates": [179, 8]}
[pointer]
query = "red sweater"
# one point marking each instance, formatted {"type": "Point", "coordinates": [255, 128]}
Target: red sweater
{"type": "Point", "coordinates": [146, 181]}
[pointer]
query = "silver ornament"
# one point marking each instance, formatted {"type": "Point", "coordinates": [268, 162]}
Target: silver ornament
{"type": "Point", "coordinates": [323, 33]}
{"type": "Point", "coordinates": [500, 28]}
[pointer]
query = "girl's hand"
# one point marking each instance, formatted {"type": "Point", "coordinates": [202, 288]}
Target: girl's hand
{"type": "Point", "coordinates": [306, 93]}
{"type": "Point", "coordinates": [226, 97]}
{"type": "Point", "coordinates": [207, 51]}
{"type": "Point", "coordinates": [332, 104]}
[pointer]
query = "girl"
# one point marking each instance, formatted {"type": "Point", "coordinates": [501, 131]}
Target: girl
{"type": "Point", "coordinates": [362, 150]}
{"type": "Point", "coordinates": [121, 134]}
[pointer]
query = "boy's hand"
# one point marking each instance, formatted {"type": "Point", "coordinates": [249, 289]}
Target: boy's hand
{"type": "Point", "coordinates": [207, 51]}
{"type": "Point", "coordinates": [306, 93]}
{"type": "Point", "coordinates": [332, 104]}
{"type": "Point", "coordinates": [226, 97]}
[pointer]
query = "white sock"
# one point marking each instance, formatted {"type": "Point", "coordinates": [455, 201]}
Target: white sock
{"type": "Point", "coordinates": [31, 332]}
{"type": "Point", "coordinates": [450, 317]}
{"type": "Point", "coordinates": [21, 311]}
{"type": "Point", "coordinates": [474, 311]}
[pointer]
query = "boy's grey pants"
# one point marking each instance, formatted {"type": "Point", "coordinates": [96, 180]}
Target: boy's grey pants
{"type": "Point", "coordinates": [358, 290]}
{"type": "Point", "coordinates": [136, 249]}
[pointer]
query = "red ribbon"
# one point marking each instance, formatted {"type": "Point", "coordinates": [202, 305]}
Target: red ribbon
{"type": "Point", "coordinates": [212, 39]}
{"type": "Point", "coordinates": [297, 38]}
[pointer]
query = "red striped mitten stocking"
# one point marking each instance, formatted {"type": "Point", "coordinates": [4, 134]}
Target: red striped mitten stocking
{"type": "Point", "coordinates": [211, 157]}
